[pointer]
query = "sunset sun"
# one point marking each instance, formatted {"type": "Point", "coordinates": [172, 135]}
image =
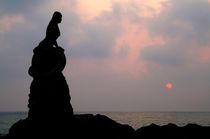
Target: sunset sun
{"type": "Point", "coordinates": [169, 86]}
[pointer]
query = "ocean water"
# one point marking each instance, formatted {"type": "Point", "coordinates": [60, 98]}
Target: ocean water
{"type": "Point", "coordinates": [140, 119]}
{"type": "Point", "coordinates": [7, 119]}
{"type": "Point", "coordinates": [134, 119]}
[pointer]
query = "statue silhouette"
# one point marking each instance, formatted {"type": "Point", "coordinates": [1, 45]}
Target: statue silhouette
{"type": "Point", "coordinates": [49, 93]}
{"type": "Point", "coordinates": [53, 31]}
{"type": "Point", "coordinates": [50, 112]}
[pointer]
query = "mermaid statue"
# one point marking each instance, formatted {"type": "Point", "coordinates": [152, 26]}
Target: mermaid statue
{"type": "Point", "coordinates": [49, 92]}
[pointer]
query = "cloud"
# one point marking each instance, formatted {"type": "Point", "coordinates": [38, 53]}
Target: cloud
{"type": "Point", "coordinates": [164, 55]}
{"type": "Point", "coordinates": [114, 34]}
{"type": "Point", "coordinates": [203, 54]}
{"type": "Point", "coordinates": [9, 21]}
{"type": "Point", "coordinates": [184, 27]}
{"type": "Point", "coordinates": [89, 9]}
{"type": "Point", "coordinates": [188, 19]}
{"type": "Point", "coordinates": [11, 7]}
{"type": "Point", "coordinates": [95, 41]}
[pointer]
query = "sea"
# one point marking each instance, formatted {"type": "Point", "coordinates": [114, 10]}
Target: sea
{"type": "Point", "coordinates": [134, 119]}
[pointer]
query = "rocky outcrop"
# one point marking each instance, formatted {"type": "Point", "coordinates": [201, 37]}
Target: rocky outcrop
{"type": "Point", "coordinates": [172, 131]}
{"type": "Point", "coordinates": [81, 126]}
{"type": "Point", "coordinates": [101, 127]}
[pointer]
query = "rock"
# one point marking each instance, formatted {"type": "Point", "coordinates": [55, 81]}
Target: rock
{"type": "Point", "coordinates": [101, 127]}
{"type": "Point", "coordinates": [172, 131]}
{"type": "Point", "coordinates": [82, 126]}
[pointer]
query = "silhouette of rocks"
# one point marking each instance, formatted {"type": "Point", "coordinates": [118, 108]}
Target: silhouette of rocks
{"type": "Point", "coordinates": [82, 126]}
{"type": "Point", "coordinates": [172, 131]}
{"type": "Point", "coordinates": [101, 127]}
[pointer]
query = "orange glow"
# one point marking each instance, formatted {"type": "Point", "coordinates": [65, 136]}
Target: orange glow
{"type": "Point", "coordinates": [149, 8]}
{"type": "Point", "coordinates": [88, 9]}
{"type": "Point", "coordinates": [128, 46]}
{"type": "Point", "coordinates": [204, 54]}
{"type": "Point", "coordinates": [169, 86]}
{"type": "Point", "coordinates": [8, 22]}
{"type": "Point", "coordinates": [134, 36]}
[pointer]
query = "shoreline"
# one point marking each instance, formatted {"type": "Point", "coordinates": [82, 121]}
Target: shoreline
{"type": "Point", "coordinates": [89, 125]}
{"type": "Point", "coordinates": [135, 119]}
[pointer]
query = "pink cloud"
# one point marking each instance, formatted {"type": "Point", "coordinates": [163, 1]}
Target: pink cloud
{"type": "Point", "coordinates": [134, 37]}
{"type": "Point", "coordinates": [204, 55]}
{"type": "Point", "coordinates": [89, 9]}
{"type": "Point", "coordinates": [131, 42]}
{"type": "Point", "coordinates": [7, 22]}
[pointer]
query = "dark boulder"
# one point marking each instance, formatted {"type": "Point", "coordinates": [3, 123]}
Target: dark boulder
{"type": "Point", "coordinates": [81, 126]}
{"type": "Point", "coordinates": [172, 131]}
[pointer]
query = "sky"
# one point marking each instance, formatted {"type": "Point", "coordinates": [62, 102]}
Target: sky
{"type": "Point", "coordinates": [122, 55]}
